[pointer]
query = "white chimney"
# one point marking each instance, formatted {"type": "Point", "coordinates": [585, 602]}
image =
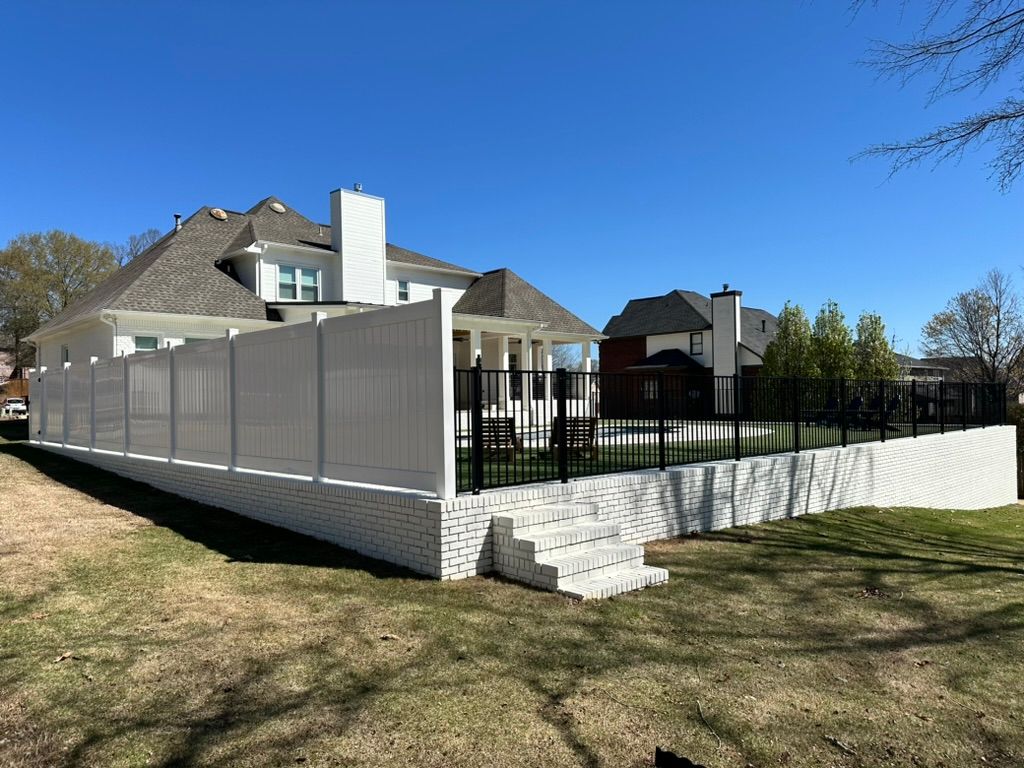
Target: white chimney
{"type": "Point", "coordinates": [357, 234]}
{"type": "Point", "coordinates": [725, 331]}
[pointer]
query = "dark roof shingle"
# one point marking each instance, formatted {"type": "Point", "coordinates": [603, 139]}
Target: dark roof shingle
{"type": "Point", "coordinates": [503, 293]}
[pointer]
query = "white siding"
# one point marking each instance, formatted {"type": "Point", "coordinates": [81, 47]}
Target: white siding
{"type": "Point", "coordinates": [275, 257]}
{"type": "Point", "coordinates": [422, 282]}
{"type": "Point", "coordinates": [681, 341]}
{"type": "Point", "coordinates": [91, 339]}
{"type": "Point", "coordinates": [357, 229]}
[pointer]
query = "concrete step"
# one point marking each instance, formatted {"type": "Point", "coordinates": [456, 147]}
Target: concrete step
{"type": "Point", "coordinates": [548, 542]}
{"type": "Point", "coordinates": [555, 516]}
{"type": "Point", "coordinates": [578, 566]}
{"type": "Point", "coordinates": [625, 580]}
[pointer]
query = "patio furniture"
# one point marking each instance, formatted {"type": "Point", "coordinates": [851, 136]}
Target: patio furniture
{"type": "Point", "coordinates": [499, 437]}
{"type": "Point", "coordinates": [580, 436]}
{"type": "Point", "coordinates": [855, 416]}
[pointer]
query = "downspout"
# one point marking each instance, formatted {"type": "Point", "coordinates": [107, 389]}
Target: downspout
{"type": "Point", "coordinates": [112, 322]}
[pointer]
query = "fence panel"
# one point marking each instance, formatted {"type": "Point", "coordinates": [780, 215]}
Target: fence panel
{"type": "Point", "coordinates": [110, 404]}
{"type": "Point", "coordinates": [149, 403]}
{"type": "Point", "coordinates": [201, 402]}
{"type": "Point", "coordinates": [53, 397]}
{"type": "Point", "coordinates": [646, 420]}
{"type": "Point", "coordinates": [79, 405]}
{"type": "Point", "coordinates": [381, 390]}
{"type": "Point", "coordinates": [275, 391]}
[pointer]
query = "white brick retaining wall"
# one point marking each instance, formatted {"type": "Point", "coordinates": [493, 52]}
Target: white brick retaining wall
{"type": "Point", "coordinates": [452, 538]}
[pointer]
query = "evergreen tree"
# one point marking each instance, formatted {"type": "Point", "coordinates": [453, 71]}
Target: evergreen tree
{"type": "Point", "coordinates": [832, 343]}
{"type": "Point", "coordinates": [789, 353]}
{"type": "Point", "coordinates": [874, 357]}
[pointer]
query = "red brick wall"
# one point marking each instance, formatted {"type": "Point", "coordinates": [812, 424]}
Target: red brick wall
{"type": "Point", "coordinates": [619, 354]}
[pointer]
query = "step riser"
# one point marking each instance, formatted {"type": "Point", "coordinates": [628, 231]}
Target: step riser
{"type": "Point", "coordinates": [519, 523]}
{"type": "Point", "coordinates": [617, 584]}
{"type": "Point", "coordinates": [602, 570]}
{"type": "Point", "coordinates": [546, 550]}
{"type": "Point", "coordinates": [588, 561]}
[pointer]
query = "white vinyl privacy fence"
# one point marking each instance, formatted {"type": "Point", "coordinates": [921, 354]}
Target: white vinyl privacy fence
{"type": "Point", "coordinates": [364, 398]}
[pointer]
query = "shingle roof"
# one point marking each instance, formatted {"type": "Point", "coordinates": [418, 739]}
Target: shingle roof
{"type": "Point", "coordinates": [682, 311]}
{"type": "Point", "coordinates": [503, 293]}
{"type": "Point", "coordinates": [668, 358]}
{"type": "Point", "coordinates": [405, 256]}
{"type": "Point", "coordinates": [177, 274]}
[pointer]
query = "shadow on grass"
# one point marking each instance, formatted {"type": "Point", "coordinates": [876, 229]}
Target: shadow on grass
{"type": "Point", "coordinates": [236, 537]}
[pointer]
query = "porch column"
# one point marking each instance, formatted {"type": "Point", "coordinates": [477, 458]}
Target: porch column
{"type": "Point", "coordinates": [547, 361]}
{"type": "Point", "coordinates": [476, 347]}
{"type": "Point", "coordinates": [503, 384]}
{"type": "Point", "coordinates": [585, 356]}
{"type": "Point", "coordinates": [587, 368]}
{"type": "Point", "coordinates": [526, 365]}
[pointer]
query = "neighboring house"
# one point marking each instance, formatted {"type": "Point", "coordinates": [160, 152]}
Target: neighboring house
{"type": "Point", "coordinates": [686, 332]}
{"type": "Point", "coordinates": [912, 369]}
{"type": "Point", "coordinates": [270, 265]}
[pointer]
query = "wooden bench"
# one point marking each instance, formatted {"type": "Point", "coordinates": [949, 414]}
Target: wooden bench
{"type": "Point", "coordinates": [500, 438]}
{"type": "Point", "coordinates": [580, 436]}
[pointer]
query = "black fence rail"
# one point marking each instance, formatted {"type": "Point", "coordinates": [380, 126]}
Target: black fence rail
{"type": "Point", "coordinates": [580, 424]}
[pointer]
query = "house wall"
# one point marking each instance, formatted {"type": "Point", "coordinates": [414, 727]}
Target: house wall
{"type": "Point", "coordinates": [246, 266]}
{"type": "Point", "coordinates": [169, 330]}
{"type": "Point", "coordinates": [94, 339]}
{"type": "Point", "coordinates": [422, 282]}
{"type": "Point", "coordinates": [452, 538]}
{"type": "Point", "coordinates": [274, 257]}
{"type": "Point", "coordinates": [619, 354]}
{"type": "Point", "coordinates": [681, 341]}
{"type": "Point", "coordinates": [357, 233]}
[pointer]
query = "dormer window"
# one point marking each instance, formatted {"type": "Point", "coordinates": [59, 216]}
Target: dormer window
{"type": "Point", "coordinates": [403, 290]}
{"type": "Point", "coordinates": [298, 284]}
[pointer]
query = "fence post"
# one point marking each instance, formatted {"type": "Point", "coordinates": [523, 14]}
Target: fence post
{"type": "Point", "coordinates": [476, 420]}
{"type": "Point", "coordinates": [963, 403]}
{"type": "Point", "coordinates": [913, 405]}
{"type": "Point", "coordinates": [65, 423]}
{"type": "Point", "coordinates": [661, 421]}
{"type": "Point", "coordinates": [92, 402]}
{"type": "Point", "coordinates": [882, 407]}
{"type": "Point", "coordinates": [319, 410]}
{"type": "Point", "coordinates": [795, 382]}
{"type": "Point", "coordinates": [844, 405]}
{"type": "Point", "coordinates": [126, 398]}
{"type": "Point", "coordinates": [736, 415]}
{"type": "Point", "coordinates": [942, 406]}
{"type": "Point", "coordinates": [229, 346]}
{"type": "Point", "coordinates": [561, 380]}
{"type": "Point", "coordinates": [1002, 410]}
{"type": "Point", "coordinates": [172, 421]}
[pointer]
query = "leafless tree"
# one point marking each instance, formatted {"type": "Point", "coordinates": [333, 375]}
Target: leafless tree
{"type": "Point", "coordinates": [135, 245]}
{"type": "Point", "coordinates": [983, 330]}
{"type": "Point", "coordinates": [964, 45]}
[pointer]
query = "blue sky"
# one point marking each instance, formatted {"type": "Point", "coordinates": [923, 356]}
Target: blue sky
{"type": "Point", "coordinates": [601, 150]}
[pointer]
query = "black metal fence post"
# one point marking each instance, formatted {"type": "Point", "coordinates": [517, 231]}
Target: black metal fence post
{"type": "Point", "coordinates": [562, 429]}
{"type": "Point", "coordinates": [476, 426]}
{"type": "Point", "coordinates": [736, 415]}
{"type": "Point", "coordinates": [844, 405]}
{"type": "Point", "coordinates": [661, 420]}
{"type": "Point", "coordinates": [1003, 411]}
{"type": "Point", "coordinates": [882, 411]}
{"type": "Point", "coordinates": [942, 406]}
{"type": "Point", "coordinates": [963, 403]}
{"type": "Point", "coordinates": [795, 386]}
{"type": "Point", "coordinates": [913, 406]}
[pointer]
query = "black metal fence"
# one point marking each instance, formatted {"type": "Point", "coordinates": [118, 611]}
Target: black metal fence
{"type": "Point", "coordinates": [578, 424]}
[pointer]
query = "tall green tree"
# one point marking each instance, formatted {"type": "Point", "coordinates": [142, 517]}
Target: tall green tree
{"type": "Point", "coordinates": [41, 273]}
{"type": "Point", "coordinates": [874, 357]}
{"type": "Point", "coordinates": [789, 352]}
{"type": "Point", "coordinates": [832, 343]}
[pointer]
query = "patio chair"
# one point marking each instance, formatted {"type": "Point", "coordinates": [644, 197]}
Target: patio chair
{"type": "Point", "coordinates": [500, 438]}
{"type": "Point", "coordinates": [580, 436]}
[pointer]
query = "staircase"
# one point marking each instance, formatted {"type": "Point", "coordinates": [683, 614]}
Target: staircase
{"type": "Point", "coordinates": [567, 549]}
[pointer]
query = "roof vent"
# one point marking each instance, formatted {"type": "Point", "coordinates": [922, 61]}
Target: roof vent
{"type": "Point", "coordinates": [276, 207]}
{"type": "Point", "coordinates": [218, 214]}
{"type": "Point", "coordinates": [725, 286]}
{"type": "Point", "coordinates": [177, 222]}
{"type": "Point", "coordinates": [357, 187]}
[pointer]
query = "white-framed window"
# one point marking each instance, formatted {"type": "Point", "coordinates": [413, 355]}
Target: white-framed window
{"type": "Point", "coordinates": [298, 283]}
{"type": "Point", "coordinates": [403, 290]}
{"type": "Point", "coordinates": [649, 389]}
{"type": "Point", "coordinates": [145, 343]}
{"type": "Point", "coordinates": [65, 354]}
{"type": "Point", "coordinates": [696, 343]}
{"type": "Point", "coordinates": [193, 339]}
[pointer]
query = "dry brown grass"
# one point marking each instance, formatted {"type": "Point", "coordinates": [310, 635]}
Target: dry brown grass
{"type": "Point", "coordinates": [859, 638]}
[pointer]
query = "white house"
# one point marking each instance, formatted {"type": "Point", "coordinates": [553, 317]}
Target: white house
{"type": "Point", "coordinates": [270, 265]}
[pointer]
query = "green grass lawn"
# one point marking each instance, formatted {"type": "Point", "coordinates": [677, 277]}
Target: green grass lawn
{"type": "Point", "coordinates": [140, 629]}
